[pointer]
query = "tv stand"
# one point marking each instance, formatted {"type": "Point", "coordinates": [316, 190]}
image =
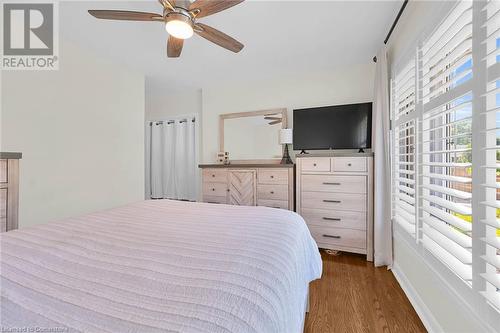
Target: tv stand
{"type": "Point", "coordinates": [303, 152]}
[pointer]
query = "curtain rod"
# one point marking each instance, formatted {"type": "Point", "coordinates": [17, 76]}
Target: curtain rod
{"type": "Point", "coordinates": [394, 25]}
{"type": "Point", "coordinates": [169, 122]}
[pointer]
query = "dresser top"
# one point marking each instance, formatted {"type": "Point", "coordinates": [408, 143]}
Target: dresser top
{"type": "Point", "coordinates": [242, 165]}
{"type": "Point", "coordinates": [336, 154]}
{"type": "Point", "coordinates": [10, 155]}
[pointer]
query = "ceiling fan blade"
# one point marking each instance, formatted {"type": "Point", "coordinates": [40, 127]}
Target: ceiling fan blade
{"type": "Point", "coordinates": [174, 47]}
{"type": "Point", "coordinates": [217, 37]}
{"type": "Point", "coordinates": [170, 4]}
{"type": "Point", "coordinates": [125, 15]}
{"type": "Point", "coordinates": [275, 122]}
{"type": "Point", "coordinates": [202, 8]}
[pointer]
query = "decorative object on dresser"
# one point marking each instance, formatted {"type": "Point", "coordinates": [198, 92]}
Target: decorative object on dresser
{"type": "Point", "coordinates": [270, 185]}
{"type": "Point", "coordinates": [335, 198]}
{"type": "Point", "coordinates": [286, 138]}
{"type": "Point", "coordinates": [9, 190]}
{"type": "Point", "coordinates": [223, 157]}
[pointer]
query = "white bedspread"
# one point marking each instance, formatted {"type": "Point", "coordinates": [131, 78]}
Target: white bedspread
{"type": "Point", "coordinates": [160, 266]}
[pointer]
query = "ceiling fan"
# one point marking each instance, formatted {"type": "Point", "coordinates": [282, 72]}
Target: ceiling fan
{"type": "Point", "coordinates": [273, 119]}
{"type": "Point", "coordinates": [181, 21]}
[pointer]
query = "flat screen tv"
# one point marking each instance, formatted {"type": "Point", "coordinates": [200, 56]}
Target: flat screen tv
{"type": "Point", "coordinates": [333, 127]}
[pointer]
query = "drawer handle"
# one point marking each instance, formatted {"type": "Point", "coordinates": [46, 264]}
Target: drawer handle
{"type": "Point", "coordinates": [331, 218]}
{"type": "Point", "coordinates": [331, 236]}
{"type": "Point", "coordinates": [314, 164]}
{"type": "Point", "coordinates": [333, 201]}
{"type": "Point", "coordinates": [272, 176]}
{"type": "Point", "coordinates": [276, 207]}
{"type": "Point", "coordinates": [349, 164]}
{"type": "Point", "coordinates": [213, 189]}
{"type": "Point", "coordinates": [326, 183]}
{"type": "Point", "coordinates": [272, 192]}
{"type": "Point", "coordinates": [212, 202]}
{"type": "Point", "coordinates": [213, 176]}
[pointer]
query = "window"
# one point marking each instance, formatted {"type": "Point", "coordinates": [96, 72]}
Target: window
{"type": "Point", "coordinates": [446, 154]}
{"type": "Point", "coordinates": [403, 105]}
{"type": "Point", "coordinates": [446, 147]}
{"type": "Point", "coordinates": [404, 176]}
{"type": "Point", "coordinates": [491, 156]}
{"type": "Point", "coordinates": [446, 189]}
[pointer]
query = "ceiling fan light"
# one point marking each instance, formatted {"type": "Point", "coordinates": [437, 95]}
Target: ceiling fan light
{"type": "Point", "coordinates": [179, 26]}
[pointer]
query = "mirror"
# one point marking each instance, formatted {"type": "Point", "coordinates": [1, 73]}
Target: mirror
{"type": "Point", "coordinates": [252, 135]}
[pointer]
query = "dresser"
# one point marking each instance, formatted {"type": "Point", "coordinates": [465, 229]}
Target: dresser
{"type": "Point", "coordinates": [335, 198]}
{"type": "Point", "coordinates": [270, 185]}
{"type": "Point", "coordinates": [9, 190]}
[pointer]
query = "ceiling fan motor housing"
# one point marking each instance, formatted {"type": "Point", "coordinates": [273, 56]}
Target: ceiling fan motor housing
{"type": "Point", "coordinates": [179, 15]}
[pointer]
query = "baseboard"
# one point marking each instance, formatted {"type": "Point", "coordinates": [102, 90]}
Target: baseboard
{"type": "Point", "coordinates": [430, 322]}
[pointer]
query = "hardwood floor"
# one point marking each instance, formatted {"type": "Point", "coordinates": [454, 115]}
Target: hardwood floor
{"type": "Point", "coordinates": [354, 296]}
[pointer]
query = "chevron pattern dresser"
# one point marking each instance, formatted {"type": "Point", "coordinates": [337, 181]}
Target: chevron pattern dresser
{"type": "Point", "coordinates": [270, 185]}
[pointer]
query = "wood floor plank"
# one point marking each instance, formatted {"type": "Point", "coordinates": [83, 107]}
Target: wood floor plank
{"type": "Point", "coordinates": [354, 296]}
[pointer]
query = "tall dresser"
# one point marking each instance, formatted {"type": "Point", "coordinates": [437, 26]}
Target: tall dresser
{"type": "Point", "coordinates": [335, 198]}
{"type": "Point", "coordinates": [9, 190]}
{"type": "Point", "coordinates": [270, 185]}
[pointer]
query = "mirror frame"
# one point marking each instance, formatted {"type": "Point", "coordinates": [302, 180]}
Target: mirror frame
{"type": "Point", "coordinates": [223, 117]}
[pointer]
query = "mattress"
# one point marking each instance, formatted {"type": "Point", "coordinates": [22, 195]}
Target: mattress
{"type": "Point", "coordinates": [160, 266]}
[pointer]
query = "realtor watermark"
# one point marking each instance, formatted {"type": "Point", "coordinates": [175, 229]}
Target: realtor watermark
{"type": "Point", "coordinates": [30, 38]}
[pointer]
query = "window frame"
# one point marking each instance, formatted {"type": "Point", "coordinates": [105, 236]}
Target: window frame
{"type": "Point", "coordinates": [470, 294]}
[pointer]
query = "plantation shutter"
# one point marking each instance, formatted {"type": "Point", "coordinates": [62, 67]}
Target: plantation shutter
{"type": "Point", "coordinates": [492, 154]}
{"type": "Point", "coordinates": [446, 146]}
{"type": "Point", "coordinates": [404, 148]}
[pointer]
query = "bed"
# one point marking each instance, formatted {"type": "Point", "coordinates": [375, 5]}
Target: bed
{"type": "Point", "coordinates": [160, 266]}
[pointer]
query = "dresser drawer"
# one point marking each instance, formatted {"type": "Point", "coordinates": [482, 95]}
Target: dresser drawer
{"type": "Point", "coordinates": [326, 183]}
{"type": "Point", "coordinates": [320, 164]}
{"type": "Point", "coordinates": [215, 175]}
{"type": "Point", "coordinates": [272, 192]}
{"type": "Point", "coordinates": [330, 236]}
{"type": "Point", "coordinates": [353, 164]}
{"type": "Point", "coordinates": [273, 203]}
{"type": "Point", "coordinates": [3, 209]}
{"type": "Point", "coordinates": [3, 202]}
{"type": "Point", "coordinates": [215, 189]}
{"type": "Point", "coordinates": [214, 199]}
{"type": "Point", "coordinates": [336, 218]}
{"type": "Point", "coordinates": [334, 201]}
{"type": "Point", "coordinates": [3, 171]}
{"type": "Point", "coordinates": [272, 176]}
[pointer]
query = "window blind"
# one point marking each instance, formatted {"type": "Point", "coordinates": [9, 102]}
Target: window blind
{"type": "Point", "coordinates": [446, 146]}
{"type": "Point", "coordinates": [404, 91]}
{"type": "Point", "coordinates": [446, 149]}
{"type": "Point", "coordinates": [491, 276]}
{"type": "Point", "coordinates": [403, 102]}
{"type": "Point", "coordinates": [404, 177]}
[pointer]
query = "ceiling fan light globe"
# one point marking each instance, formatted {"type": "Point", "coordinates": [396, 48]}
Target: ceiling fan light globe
{"type": "Point", "coordinates": [179, 26]}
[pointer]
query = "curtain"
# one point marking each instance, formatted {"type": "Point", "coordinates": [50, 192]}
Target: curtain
{"type": "Point", "coordinates": [173, 169]}
{"type": "Point", "coordinates": [382, 231]}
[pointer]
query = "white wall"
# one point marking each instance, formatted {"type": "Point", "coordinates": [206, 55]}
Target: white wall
{"type": "Point", "coordinates": [340, 86]}
{"type": "Point", "coordinates": [444, 303]}
{"type": "Point", "coordinates": [81, 133]}
{"type": "Point", "coordinates": [162, 103]}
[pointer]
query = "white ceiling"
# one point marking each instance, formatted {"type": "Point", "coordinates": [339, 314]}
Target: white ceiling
{"type": "Point", "coordinates": [280, 37]}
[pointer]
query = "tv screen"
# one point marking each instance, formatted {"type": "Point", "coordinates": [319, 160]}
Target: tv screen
{"type": "Point", "coordinates": [333, 127]}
